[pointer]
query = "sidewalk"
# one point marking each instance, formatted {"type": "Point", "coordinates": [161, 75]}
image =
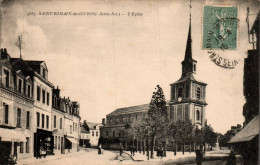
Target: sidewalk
{"type": "Point", "coordinates": [33, 160]}
{"type": "Point", "coordinates": [209, 155]}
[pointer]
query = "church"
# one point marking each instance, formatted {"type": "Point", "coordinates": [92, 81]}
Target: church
{"type": "Point", "coordinates": [187, 102]}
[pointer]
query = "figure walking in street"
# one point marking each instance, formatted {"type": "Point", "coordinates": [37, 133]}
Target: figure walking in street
{"type": "Point", "coordinates": [231, 158]}
{"type": "Point", "coordinates": [99, 149]}
{"type": "Point", "coordinates": [121, 149]}
{"type": "Point", "coordinates": [131, 150]}
{"type": "Point", "coordinates": [199, 156]}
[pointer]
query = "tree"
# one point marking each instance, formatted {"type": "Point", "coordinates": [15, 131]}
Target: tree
{"type": "Point", "coordinates": [157, 117]}
{"type": "Point", "coordinates": [181, 133]}
{"type": "Point", "coordinates": [155, 124]}
{"type": "Point", "coordinates": [210, 136]}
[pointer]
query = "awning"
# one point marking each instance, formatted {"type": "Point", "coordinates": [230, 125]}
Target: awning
{"type": "Point", "coordinates": [248, 132]}
{"type": "Point", "coordinates": [72, 140]}
{"type": "Point", "coordinates": [11, 135]}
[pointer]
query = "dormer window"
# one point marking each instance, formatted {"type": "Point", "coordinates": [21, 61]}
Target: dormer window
{"type": "Point", "coordinates": [28, 90]}
{"type": "Point", "coordinates": [20, 84]}
{"type": "Point", "coordinates": [180, 92]}
{"type": "Point", "coordinates": [6, 78]}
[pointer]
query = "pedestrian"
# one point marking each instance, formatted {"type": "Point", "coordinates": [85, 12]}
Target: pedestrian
{"type": "Point", "coordinates": [199, 156]}
{"type": "Point", "coordinates": [231, 158]}
{"type": "Point", "coordinates": [131, 150]}
{"type": "Point", "coordinates": [99, 149]}
{"type": "Point", "coordinates": [121, 150]}
{"type": "Point", "coordinates": [158, 152]}
{"type": "Point", "coordinates": [161, 152]}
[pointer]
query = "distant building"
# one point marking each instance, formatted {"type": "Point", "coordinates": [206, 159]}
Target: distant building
{"type": "Point", "coordinates": [84, 135]}
{"type": "Point", "coordinates": [187, 102]}
{"type": "Point", "coordinates": [90, 134]}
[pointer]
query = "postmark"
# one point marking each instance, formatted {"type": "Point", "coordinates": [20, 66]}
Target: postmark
{"type": "Point", "coordinates": [220, 27]}
{"type": "Point", "coordinates": [220, 35]}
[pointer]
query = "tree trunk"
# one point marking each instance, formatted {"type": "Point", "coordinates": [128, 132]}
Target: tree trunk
{"type": "Point", "coordinates": [152, 147]}
{"type": "Point", "coordinates": [147, 149]}
{"type": "Point", "coordinates": [175, 149]}
{"type": "Point", "coordinates": [190, 147]}
{"type": "Point", "coordinates": [204, 146]}
{"type": "Point", "coordinates": [143, 146]}
{"type": "Point", "coordinates": [165, 148]}
{"type": "Point", "coordinates": [183, 148]}
{"type": "Point", "coordinates": [137, 145]}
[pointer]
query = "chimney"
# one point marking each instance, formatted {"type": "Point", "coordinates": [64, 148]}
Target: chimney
{"type": "Point", "coordinates": [103, 121]}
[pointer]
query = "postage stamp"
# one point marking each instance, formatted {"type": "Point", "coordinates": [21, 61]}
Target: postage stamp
{"type": "Point", "coordinates": [220, 28]}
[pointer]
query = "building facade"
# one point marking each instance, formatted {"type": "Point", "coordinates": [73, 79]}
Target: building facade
{"type": "Point", "coordinates": [34, 119]}
{"type": "Point", "coordinates": [16, 108]}
{"type": "Point", "coordinates": [42, 92]}
{"type": "Point", "coordinates": [72, 125]}
{"type": "Point", "coordinates": [187, 102]}
{"type": "Point", "coordinates": [84, 135]}
{"type": "Point", "coordinates": [58, 123]}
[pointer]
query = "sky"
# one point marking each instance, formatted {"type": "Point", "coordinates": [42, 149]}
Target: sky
{"type": "Point", "coordinates": [109, 62]}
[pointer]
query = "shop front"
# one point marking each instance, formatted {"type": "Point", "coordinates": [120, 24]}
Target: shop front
{"type": "Point", "coordinates": [9, 141]}
{"type": "Point", "coordinates": [43, 143]}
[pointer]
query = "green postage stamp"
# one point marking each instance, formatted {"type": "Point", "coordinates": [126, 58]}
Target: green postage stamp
{"type": "Point", "coordinates": [220, 27]}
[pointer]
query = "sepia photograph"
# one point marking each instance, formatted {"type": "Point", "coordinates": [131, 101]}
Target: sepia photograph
{"type": "Point", "coordinates": [102, 82]}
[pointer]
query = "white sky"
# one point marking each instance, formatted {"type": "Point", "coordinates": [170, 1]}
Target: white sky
{"type": "Point", "coordinates": [107, 62]}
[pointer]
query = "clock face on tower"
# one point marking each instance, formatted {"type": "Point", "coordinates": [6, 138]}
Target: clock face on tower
{"type": "Point", "coordinates": [179, 99]}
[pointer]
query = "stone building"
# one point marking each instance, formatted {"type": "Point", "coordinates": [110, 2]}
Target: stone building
{"type": "Point", "coordinates": [187, 102]}
{"type": "Point", "coordinates": [84, 135]}
{"type": "Point", "coordinates": [16, 108]}
{"type": "Point", "coordinates": [34, 119]}
{"type": "Point", "coordinates": [90, 133]}
{"type": "Point", "coordinates": [58, 123]}
{"type": "Point", "coordinates": [72, 124]}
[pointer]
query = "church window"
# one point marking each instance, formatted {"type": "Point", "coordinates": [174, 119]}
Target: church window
{"type": "Point", "coordinates": [198, 92]}
{"type": "Point", "coordinates": [180, 92]}
{"type": "Point", "coordinates": [198, 115]}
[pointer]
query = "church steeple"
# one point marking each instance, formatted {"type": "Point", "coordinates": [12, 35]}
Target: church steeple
{"type": "Point", "coordinates": [188, 64]}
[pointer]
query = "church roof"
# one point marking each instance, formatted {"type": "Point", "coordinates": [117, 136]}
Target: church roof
{"type": "Point", "coordinates": [132, 109]}
{"type": "Point", "coordinates": [187, 78]}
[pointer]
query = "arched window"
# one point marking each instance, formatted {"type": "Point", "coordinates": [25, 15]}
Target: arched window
{"type": "Point", "coordinates": [198, 92]}
{"type": "Point", "coordinates": [180, 92]}
{"type": "Point", "coordinates": [198, 115]}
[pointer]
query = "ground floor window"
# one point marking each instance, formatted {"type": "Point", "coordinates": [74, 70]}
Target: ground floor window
{"type": "Point", "coordinates": [55, 143]}
{"type": "Point", "coordinates": [21, 147]}
{"type": "Point", "coordinates": [59, 143]}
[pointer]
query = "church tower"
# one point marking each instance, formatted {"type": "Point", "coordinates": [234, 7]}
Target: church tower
{"type": "Point", "coordinates": [187, 94]}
